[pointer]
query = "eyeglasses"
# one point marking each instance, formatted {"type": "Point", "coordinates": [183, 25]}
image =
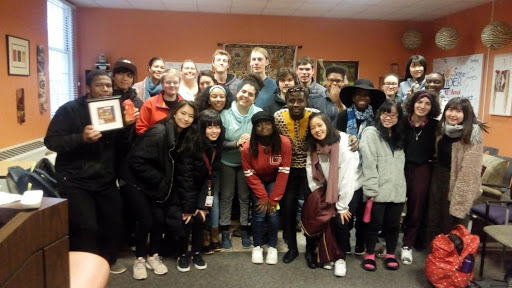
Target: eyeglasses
{"type": "Point", "coordinates": [295, 89]}
{"type": "Point", "coordinates": [390, 84]}
{"type": "Point", "coordinates": [388, 115]}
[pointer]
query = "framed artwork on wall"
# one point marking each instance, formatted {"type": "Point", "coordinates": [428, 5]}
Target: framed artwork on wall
{"type": "Point", "coordinates": [18, 56]}
{"type": "Point", "coordinates": [501, 93]}
{"type": "Point", "coordinates": [280, 56]}
{"type": "Point", "coordinates": [352, 68]}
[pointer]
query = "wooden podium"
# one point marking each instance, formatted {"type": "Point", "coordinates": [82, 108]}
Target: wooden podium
{"type": "Point", "coordinates": [34, 245]}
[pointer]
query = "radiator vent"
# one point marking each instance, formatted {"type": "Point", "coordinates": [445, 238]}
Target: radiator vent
{"type": "Point", "coordinates": [18, 150]}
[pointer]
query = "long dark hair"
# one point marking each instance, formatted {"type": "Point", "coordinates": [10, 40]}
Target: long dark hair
{"type": "Point", "coordinates": [203, 98]}
{"type": "Point", "coordinates": [396, 138]}
{"type": "Point", "coordinates": [332, 136]}
{"type": "Point", "coordinates": [422, 61]}
{"type": "Point", "coordinates": [187, 138]}
{"type": "Point", "coordinates": [210, 118]}
{"type": "Point", "coordinates": [275, 143]}
{"type": "Point", "coordinates": [470, 118]}
{"type": "Point", "coordinates": [435, 108]}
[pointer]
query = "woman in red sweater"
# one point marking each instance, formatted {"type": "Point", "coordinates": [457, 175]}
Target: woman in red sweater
{"type": "Point", "coordinates": [266, 162]}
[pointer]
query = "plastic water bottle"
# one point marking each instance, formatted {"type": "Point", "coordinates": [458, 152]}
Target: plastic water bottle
{"type": "Point", "coordinates": [467, 264]}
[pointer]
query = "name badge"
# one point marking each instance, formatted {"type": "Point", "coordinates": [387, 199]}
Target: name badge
{"type": "Point", "coordinates": [209, 201]}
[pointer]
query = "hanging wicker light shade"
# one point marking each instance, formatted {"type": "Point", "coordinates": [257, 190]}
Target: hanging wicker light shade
{"type": "Point", "coordinates": [447, 38]}
{"type": "Point", "coordinates": [411, 39]}
{"type": "Point", "coordinates": [496, 35]}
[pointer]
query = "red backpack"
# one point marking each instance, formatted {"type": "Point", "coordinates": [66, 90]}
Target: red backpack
{"type": "Point", "coordinates": [444, 263]}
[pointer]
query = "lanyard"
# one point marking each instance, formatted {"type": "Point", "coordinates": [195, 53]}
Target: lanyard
{"type": "Point", "coordinates": [209, 167]}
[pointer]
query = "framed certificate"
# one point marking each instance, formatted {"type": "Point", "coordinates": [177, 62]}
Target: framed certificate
{"type": "Point", "coordinates": [106, 113]}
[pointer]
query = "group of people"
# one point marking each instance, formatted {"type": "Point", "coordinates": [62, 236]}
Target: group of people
{"type": "Point", "coordinates": [353, 153]}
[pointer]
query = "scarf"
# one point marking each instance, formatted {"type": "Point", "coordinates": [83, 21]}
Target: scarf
{"type": "Point", "coordinates": [366, 116]}
{"type": "Point", "coordinates": [331, 193]}
{"type": "Point", "coordinates": [453, 131]}
{"type": "Point", "coordinates": [151, 89]}
{"type": "Point", "coordinates": [413, 124]}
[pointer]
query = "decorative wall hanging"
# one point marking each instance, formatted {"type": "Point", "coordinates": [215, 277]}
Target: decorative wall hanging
{"type": "Point", "coordinates": [20, 105]}
{"type": "Point", "coordinates": [496, 35]}
{"type": "Point", "coordinates": [463, 76]}
{"type": "Point", "coordinates": [411, 39]}
{"type": "Point", "coordinates": [447, 38]}
{"type": "Point", "coordinates": [501, 93]}
{"type": "Point", "coordinates": [280, 56]}
{"type": "Point", "coordinates": [352, 68]}
{"type": "Point", "coordinates": [41, 80]}
{"type": "Point", "coordinates": [18, 56]}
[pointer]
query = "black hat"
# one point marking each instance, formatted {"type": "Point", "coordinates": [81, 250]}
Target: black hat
{"type": "Point", "coordinates": [125, 63]}
{"type": "Point", "coordinates": [262, 115]}
{"type": "Point", "coordinates": [377, 96]}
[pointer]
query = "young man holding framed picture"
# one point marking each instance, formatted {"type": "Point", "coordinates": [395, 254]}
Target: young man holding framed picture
{"type": "Point", "coordinates": [85, 170]}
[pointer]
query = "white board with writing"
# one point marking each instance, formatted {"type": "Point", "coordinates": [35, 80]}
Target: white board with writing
{"type": "Point", "coordinates": [463, 76]}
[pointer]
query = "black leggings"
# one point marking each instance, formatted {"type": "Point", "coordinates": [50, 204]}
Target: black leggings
{"type": "Point", "coordinates": [385, 217]}
{"type": "Point", "coordinates": [150, 218]}
{"type": "Point", "coordinates": [195, 227]}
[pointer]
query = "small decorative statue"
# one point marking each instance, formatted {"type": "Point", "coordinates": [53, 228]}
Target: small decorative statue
{"type": "Point", "coordinates": [102, 62]}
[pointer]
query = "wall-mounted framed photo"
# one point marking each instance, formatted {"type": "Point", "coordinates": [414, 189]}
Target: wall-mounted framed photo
{"type": "Point", "coordinates": [18, 56]}
{"type": "Point", "coordinates": [106, 113]}
{"type": "Point", "coordinates": [351, 68]}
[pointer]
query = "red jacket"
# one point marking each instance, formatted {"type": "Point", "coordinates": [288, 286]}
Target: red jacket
{"type": "Point", "coordinates": [267, 168]}
{"type": "Point", "coordinates": [153, 110]}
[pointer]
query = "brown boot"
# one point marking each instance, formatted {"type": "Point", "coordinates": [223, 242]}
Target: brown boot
{"type": "Point", "coordinates": [206, 249]}
{"type": "Point", "coordinates": [215, 239]}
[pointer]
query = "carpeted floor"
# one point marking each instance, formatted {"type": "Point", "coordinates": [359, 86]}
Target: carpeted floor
{"type": "Point", "coordinates": [235, 269]}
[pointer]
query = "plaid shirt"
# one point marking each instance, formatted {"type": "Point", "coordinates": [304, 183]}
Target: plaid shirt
{"type": "Point", "coordinates": [296, 132]}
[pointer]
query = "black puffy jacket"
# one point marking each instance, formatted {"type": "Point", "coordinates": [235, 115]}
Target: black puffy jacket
{"type": "Point", "coordinates": [151, 161]}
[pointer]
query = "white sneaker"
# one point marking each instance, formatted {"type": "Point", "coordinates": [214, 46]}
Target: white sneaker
{"type": "Point", "coordinates": [406, 255]}
{"type": "Point", "coordinates": [139, 269]}
{"type": "Point", "coordinates": [340, 268]}
{"type": "Point", "coordinates": [155, 263]}
{"type": "Point", "coordinates": [271, 255]}
{"type": "Point", "coordinates": [257, 255]}
{"type": "Point", "coordinates": [328, 265]}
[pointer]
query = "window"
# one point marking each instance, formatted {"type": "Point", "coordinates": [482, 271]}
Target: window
{"type": "Point", "coordinates": [61, 50]}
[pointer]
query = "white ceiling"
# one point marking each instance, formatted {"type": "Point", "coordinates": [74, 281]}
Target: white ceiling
{"type": "Point", "coordinates": [416, 10]}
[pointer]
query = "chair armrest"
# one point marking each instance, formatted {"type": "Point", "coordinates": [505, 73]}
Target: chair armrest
{"type": "Point", "coordinates": [496, 186]}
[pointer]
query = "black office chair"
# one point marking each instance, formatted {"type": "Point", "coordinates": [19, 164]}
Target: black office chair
{"type": "Point", "coordinates": [491, 150]}
{"type": "Point", "coordinates": [498, 213]}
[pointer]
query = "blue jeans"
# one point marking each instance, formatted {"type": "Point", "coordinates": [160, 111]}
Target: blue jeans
{"type": "Point", "coordinates": [259, 219]}
{"type": "Point", "coordinates": [215, 211]}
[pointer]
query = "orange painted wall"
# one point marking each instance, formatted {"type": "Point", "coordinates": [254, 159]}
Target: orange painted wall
{"type": "Point", "coordinates": [13, 21]}
{"type": "Point", "coordinates": [470, 24]}
{"type": "Point", "coordinates": [175, 36]}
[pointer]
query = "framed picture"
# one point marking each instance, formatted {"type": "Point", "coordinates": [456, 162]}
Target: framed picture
{"type": "Point", "coordinates": [106, 113]}
{"type": "Point", "coordinates": [352, 68]}
{"type": "Point", "coordinates": [18, 56]}
{"type": "Point", "coordinates": [501, 94]}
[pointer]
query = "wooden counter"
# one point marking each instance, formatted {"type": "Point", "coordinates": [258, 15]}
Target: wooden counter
{"type": "Point", "coordinates": [34, 245]}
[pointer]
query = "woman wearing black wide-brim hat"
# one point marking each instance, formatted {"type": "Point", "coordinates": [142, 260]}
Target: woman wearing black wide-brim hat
{"type": "Point", "coordinates": [362, 102]}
